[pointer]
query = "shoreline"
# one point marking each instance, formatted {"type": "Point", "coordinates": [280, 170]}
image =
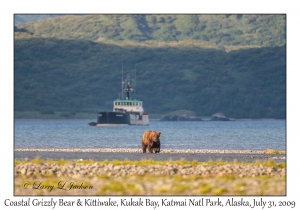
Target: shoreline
{"type": "Point", "coordinates": [137, 154]}
{"type": "Point", "coordinates": [205, 119]}
{"type": "Point", "coordinates": [134, 150]}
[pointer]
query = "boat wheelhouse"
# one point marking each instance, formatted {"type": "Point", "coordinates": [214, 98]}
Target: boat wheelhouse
{"type": "Point", "coordinates": [128, 105]}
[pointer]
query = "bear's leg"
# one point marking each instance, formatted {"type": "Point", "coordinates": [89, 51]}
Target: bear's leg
{"type": "Point", "coordinates": [144, 148]}
{"type": "Point", "coordinates": [150, 149]}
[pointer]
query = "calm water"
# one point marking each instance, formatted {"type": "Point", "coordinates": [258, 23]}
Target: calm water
{"type": "Point", "coordinates": [240, 135]}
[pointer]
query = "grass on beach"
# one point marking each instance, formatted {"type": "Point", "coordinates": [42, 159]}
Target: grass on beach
{"type": "Point", "coordinates": [156, 185]}
{"type": "Point", "coordinates": [145, 162]}
{"type": "Point", "coordinates": [151, 184]}
{"type": "Point", "coordinates": [273, 151]}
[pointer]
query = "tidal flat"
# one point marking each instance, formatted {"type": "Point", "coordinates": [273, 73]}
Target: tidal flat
{"type": "Point", "coordinates": [148, 177]}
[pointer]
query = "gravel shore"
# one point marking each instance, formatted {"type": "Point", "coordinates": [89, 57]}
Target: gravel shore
{"type": "Point", "coordinates": [99, 178]}
{"type": "Point", "coordinates": [136, 154]}
{"type": "Point", "coordinates": [79, 170]}
{"type": "Point", "coordinates": [149, 179]}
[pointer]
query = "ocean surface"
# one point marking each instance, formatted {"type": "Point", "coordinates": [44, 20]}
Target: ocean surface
{"type": "Point", "coordinates": [229, 135]}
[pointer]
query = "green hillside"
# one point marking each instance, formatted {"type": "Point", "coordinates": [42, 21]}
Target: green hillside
{"type": "Point", "coordinates": [74, 76]}
{"type": "Point", "coordinates": [234, 64]}
{"type": "Point", "coordinates": [209, 31]}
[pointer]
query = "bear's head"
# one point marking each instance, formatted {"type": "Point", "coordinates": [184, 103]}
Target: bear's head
{"type": "Point", "coordinates": [155, 136]}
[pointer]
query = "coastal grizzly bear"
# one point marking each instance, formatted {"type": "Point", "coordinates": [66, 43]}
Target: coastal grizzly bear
{"type": "Point", "coordinates": [151, 141]}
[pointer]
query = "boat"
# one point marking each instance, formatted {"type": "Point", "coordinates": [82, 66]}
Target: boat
{"type": "Point", "coordinates": [125, 111]}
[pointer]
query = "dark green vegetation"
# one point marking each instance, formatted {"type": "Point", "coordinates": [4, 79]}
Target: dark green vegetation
{"type": "Point", "coordinates": [62, 64]}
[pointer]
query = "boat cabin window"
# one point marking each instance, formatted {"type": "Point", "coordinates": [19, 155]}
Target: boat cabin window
{"type": "Point", "coordinates": [137, 104]}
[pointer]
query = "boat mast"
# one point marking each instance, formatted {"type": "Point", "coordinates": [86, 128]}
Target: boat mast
{"type": "Point", "coordinates": [122, 82]}
{"type": "Point", "coordinates": [126, 85]}
{"type": "Point", "coordinates": [134, 79]}
{"type": "Point", "coordinates": [127, 88]}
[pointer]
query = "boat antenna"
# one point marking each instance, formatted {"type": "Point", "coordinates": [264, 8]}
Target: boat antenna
{"type": "Point", "coordinates": [128, 88]}
{"type": "Point", "coordinates": [134, 79]}
{"type": "Point", "coordinates": [122, 82]}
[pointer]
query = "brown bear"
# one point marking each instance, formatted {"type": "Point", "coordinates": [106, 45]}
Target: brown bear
{"type": "Point", "coordinates": [151, 141]}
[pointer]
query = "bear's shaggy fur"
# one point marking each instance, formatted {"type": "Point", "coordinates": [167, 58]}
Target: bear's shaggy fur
{"type": "Point", "coordinates": [151, 141]}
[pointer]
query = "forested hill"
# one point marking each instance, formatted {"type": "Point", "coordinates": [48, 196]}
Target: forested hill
{"type": "Point", "coordinates": [218, 31]}
{"type": "Point", "coordinates": [73, 64]}
{"type": "Point", "coordinates": [76, 76]}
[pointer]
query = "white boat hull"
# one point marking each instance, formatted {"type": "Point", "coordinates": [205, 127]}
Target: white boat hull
{"type": "Point", "coordinates": [134, 120]}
